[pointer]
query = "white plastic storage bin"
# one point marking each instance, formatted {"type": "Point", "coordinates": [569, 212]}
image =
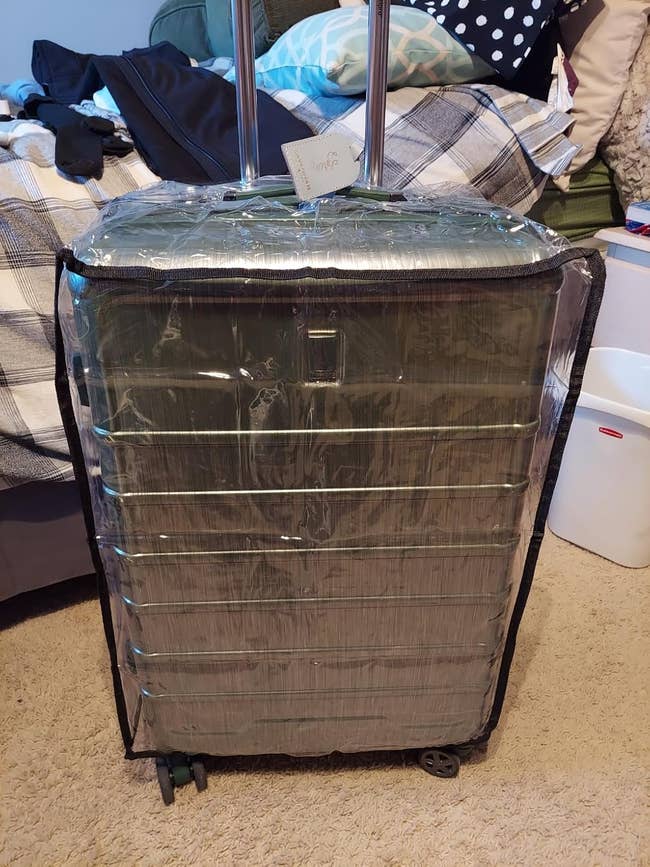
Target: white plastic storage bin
{"type": "Point", "coordinates": [624, 318]}
{"type": "Point", "coordinates": [602, 497]}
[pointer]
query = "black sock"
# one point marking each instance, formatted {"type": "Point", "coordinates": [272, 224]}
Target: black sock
{"type": "Point", "coordinates": [81, 140]}
{"type": "Point", "coordinates": [78, 151]}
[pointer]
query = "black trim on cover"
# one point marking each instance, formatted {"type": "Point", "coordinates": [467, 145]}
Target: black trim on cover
{"type": "Point", "coordinates": [597, 267]}
{"type": "Point", "coordinates": [64, 396]}
{"type": "Point", "coordinates": [366, 276]}
{"type": "Point", "coordinates": [66, 258]}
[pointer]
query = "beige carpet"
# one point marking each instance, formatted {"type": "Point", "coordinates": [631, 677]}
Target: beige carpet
{"type": "Point", "coordinates": [564, 781]}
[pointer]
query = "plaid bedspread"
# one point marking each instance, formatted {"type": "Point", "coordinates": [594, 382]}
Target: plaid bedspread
{"type": "Point", "coordinates": [39, 212]}
{"type": "Point", "coordinates": [504, 145]}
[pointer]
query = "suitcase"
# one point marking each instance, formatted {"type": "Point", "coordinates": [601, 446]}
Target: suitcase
{"type": "Point", "coordinates": [317, 445]}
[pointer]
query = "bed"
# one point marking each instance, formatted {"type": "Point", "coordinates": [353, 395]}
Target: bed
{"type": "Point", "coordinates": [42, 534]}
{"type": "Point", "coordinates": [503, 149]}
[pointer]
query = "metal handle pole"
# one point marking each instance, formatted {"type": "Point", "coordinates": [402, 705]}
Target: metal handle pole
{"type": "Point", "coordinates": [244, 40]}
{"type": "Point", "coordinates": [378, 33]}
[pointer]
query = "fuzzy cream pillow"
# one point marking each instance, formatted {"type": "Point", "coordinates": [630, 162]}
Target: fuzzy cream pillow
{"type": "Point", "coordinates": [626, 147]}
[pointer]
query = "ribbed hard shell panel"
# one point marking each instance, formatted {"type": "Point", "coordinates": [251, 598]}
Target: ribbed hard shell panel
{"type": "Point", "coordinates": [314, 484]}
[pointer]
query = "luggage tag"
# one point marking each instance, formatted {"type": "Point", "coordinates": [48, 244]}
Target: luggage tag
{"type": "Point", "coordinates": [321, 165]}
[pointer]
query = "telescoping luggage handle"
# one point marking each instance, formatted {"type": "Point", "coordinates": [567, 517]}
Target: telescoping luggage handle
{"type": "Point", "coordinates": [244, 41]}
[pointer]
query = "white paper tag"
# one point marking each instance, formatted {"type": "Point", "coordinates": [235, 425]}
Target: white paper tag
{"type": "Point", "coordinates": [320, 165]}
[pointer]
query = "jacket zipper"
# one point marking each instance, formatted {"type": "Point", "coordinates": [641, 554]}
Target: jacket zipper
{"type": "Point", "coordinates": [166, 113]}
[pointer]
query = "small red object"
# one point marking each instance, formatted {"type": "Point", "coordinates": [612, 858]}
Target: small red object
{"type": "Point", "coordinates": [610, 432]}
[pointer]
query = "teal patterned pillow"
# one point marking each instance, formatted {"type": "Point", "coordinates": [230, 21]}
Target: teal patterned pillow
{"type": "Point", "coordinates": [328, 54]}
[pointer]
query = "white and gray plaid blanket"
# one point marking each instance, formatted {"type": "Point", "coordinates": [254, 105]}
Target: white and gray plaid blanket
{"type": "Point", "coordinates": [502, 144]}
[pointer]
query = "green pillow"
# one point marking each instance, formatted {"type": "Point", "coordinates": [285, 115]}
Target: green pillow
{"type": "Point", "coordinates": [184, 24]}
{"type": "Point", "coordinates": [271, 18]}
{"type": "Point", "coordinates": [203, 28]}
{"type": "Point", "coordinates": [219, 23]}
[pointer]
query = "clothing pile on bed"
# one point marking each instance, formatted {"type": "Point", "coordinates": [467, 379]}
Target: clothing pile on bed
{"type": "Point", "coordinates": [89, 128]}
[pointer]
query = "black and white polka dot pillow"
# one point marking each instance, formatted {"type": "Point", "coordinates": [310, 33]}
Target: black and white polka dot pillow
{"type": "Point", "coordinates": [501, 32]}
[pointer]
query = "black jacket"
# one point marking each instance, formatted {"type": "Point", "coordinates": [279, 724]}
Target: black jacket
{"type": "Point", "coordinates": [183, 119]}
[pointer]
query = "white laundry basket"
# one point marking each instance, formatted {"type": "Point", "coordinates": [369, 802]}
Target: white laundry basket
{"type": "Point", "coordinates": [625, 312]}
{"type": "Point", "coordinates": [602, 496]}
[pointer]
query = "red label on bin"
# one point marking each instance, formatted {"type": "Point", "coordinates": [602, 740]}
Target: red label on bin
{"type": "Point", "coordinates": [608, 431]}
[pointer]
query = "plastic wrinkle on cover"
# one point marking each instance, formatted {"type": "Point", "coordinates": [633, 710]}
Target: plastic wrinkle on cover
{"type": "Point", "coordinates": [315, 439]}
{"type": "Point", "coordinates": [171, 226]}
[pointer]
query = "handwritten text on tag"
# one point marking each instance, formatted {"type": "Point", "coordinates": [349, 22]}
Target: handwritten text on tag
{"type": "Point", "coordinates": [321, 165]}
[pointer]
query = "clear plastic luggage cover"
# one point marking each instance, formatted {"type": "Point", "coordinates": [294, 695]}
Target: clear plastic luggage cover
{"type": "Point", "coordinates": [315, 439]}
